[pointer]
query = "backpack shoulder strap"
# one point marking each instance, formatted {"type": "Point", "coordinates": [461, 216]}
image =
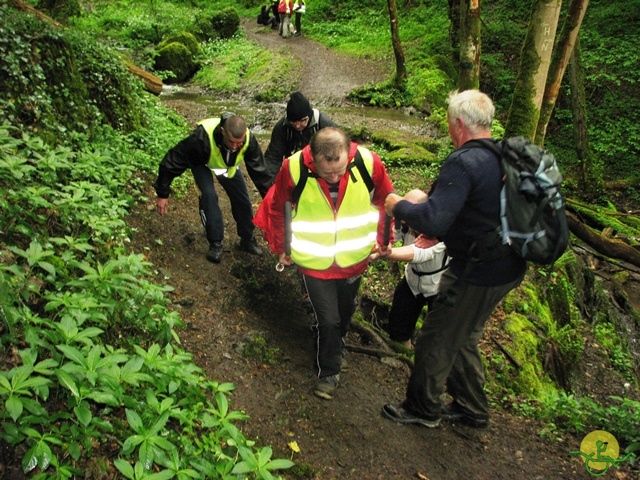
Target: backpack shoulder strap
{"type": "Point", "coordinates": [358, 163]}
{"type": "Point", "coordinates": [485, 143]}
{"type": "Point", "coordinates": [302, 181]}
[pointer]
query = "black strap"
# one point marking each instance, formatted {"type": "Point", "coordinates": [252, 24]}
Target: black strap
{"type": "Point", "coordinates": [358, 162]}
{"type": "Point", "coordinates": [443, 267]}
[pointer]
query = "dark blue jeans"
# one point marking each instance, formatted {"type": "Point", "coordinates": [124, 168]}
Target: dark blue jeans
{"type": "Point", "coordinates": [333, 302]}
{"type": "Point", "coordinates": [210, 212]}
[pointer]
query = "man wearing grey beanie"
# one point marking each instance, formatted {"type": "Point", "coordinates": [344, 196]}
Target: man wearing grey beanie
{"type": "Point", "coordinates": [293, 132]}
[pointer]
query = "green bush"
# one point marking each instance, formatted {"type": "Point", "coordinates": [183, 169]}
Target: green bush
{"type": "Point", "coordinates": [64, 78]}
{"type": "Point", "coordinates": [225, 22]}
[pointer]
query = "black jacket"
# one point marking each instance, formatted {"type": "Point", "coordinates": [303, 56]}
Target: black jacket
{"type": "Point", "coordinates": [285, 140]}
{"type": "Point", "coordinates": [195, 150]}
{"type": "Point", "coordinates": [466, 192]}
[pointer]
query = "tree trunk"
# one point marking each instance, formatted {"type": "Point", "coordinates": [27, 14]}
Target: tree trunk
{"type": "Point", "coordinates": [561, 55]}
{"type": "Point", "coordinates": [470, 33]}
{"type": "Point", "coordinates": [534, 66]}
{"type": "Point", "coordinates": [401, 72]}
{"type": "Point", "coordinates": [454, 31]}
{"type": "Point", "coordinates": [591, 178]}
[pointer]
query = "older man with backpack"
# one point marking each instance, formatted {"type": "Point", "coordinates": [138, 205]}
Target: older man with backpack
{"type": "Point", "coordinates": [482, 271]}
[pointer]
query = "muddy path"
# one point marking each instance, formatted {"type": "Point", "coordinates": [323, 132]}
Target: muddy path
{"type": "Point", "coordinates": [227, 306]}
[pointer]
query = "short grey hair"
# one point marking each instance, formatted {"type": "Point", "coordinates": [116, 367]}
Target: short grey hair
{"type": "Point", "coordinates": [473, 107]}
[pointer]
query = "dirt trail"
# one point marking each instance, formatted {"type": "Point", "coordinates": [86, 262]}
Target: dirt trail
{"type": "Point", "coordinates": [227, 304]}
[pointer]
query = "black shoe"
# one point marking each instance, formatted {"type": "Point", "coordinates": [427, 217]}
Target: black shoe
{"type": "Point", "coordinates": [456, 414]}
{"type": "Point", "coordinates": [215, 252]}
{"type": "Point", "coordinates": [250, 245]}
{"type": "Point", "coordinates": [297, 34]}
{"type": "Point", "coordinates": [397, 413]}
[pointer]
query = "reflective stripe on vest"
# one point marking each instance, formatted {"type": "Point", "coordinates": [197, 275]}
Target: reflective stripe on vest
{"type": "Point", "coordinates": [321, 236]}
{"type": "Point", "coordinates": [216, 162]}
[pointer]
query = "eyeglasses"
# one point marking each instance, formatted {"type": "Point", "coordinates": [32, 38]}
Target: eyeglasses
{"type": "Point", "coordinates": [302, 121]}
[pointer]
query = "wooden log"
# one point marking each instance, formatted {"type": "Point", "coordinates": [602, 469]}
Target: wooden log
{"type": "Point", "coordinates": [610, 248]}
{"type": "Point", "coordinates": [152, 83]}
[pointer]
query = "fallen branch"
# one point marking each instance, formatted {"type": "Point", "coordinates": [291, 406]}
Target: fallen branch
{"type": "Point", "coordinates": [610, 248]}
{"type": "Point", "coordinates": [507, 354]}
{"type": "Point", "coordinates": [374, 352]}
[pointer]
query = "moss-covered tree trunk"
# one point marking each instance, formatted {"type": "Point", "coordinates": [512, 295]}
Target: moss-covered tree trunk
{"type": "Point", "coordinates": [561, 55]}
{"type": "Point", "coordinates": [401, 72]}
{"type": "Point", "coordinates": [454, 31]}
{"type": "Point", "coordinates": [591, 181]}
{"type": "Point", "coordinates": [470, 31]}
{"type": "Point", "coordinates": [534, 66]}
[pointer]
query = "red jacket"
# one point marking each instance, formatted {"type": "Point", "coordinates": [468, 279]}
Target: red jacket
{"type": "Point", "coordinates": [270, 215]}
{"type": "Point", "coordinates": [284, 6]}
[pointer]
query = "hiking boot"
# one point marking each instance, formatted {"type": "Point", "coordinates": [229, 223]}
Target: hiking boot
{"type": "Point", "coordinates": [398, 413]}
{"type": "Point", "coordinates": [326, 386]}
{"type": "Point", "coordinates": [455, 413]}
{"type": "Point", "coordinates": [250, 245]}
{"type": "Point", "coordinates": [215, 252]}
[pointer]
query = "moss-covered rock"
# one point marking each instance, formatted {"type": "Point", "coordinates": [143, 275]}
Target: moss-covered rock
{"type": "Point", "coordinates": [411, 154]}
{"type": "Point", "coordinates": [404, 148]}
{"type": "Point", "coordinates": [177, 59]}
{"type": "Point", "coordinates": [185, 38]}
{"type": "Point", "coordinates": [530, 379]}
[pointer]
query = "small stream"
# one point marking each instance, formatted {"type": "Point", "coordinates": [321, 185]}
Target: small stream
{"type": "Point", "coordinates": [195, 105]}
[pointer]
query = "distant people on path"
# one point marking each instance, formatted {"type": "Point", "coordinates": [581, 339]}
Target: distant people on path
{"type": "Point", "coordinates": [480, 274]}
{"type": "Point", "coordinates": [294, 131]}
{"type": "Point", "coordinates": [284, 10]}
{"type": "Point", "coordinates": [427, 260]}
{"type": "Point", "coordinates": [299, 7]}
{"type": "Point", "coordinates": [274, 12]}
{"type": "Point", "coordinates": [265, 17]}
{"type": "Point", "coordinates": [217, 147]}
{"type": "Point", "coordinates": [335, 226]}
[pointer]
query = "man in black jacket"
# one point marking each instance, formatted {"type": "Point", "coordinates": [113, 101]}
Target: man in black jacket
{"type": "Point", "coordinates": [294, 131]}
{"type": "Point", "coordinates": [480, 274]}
{"type": "Point", "coordinates": [217, 147]}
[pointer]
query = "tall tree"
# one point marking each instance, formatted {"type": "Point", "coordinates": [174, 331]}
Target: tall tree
{"type": "Point", "coordinates": [401, 72]}
{"type": "Point", "coordinates": [454, 31]}
{"type": "Point", "coordinates": [591, 181]}
{"type": "Point", "coordinates": [561, 55]}
{"type": "Point", "coordinates": [469, 37]}
{"type": "Point", "coordinates": [534, 67]}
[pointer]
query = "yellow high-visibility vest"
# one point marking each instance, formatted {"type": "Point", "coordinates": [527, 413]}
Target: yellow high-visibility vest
{"type": "Point", "coordinates": [216, 162]}
{"type": "Point", "coordinates": [321, 235]}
